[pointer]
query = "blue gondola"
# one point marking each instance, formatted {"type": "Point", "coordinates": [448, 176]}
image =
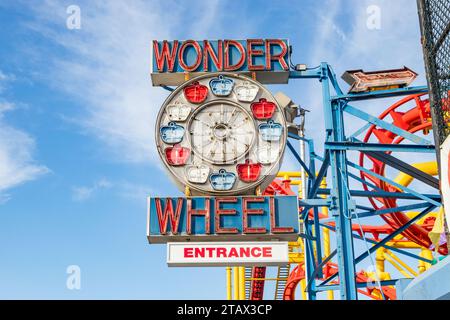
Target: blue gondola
{"type": "Point", "coordinates": [172, 133]}
{"type": "Point", "coordinates": [222, 180]}
{"type": "Point", "coordinates": [221, 86]}
{"type": "Point", "coordinates": [271, 131]}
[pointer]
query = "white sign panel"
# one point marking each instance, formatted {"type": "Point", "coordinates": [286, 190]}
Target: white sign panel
{"type": "Point", "coordinates": [197, 254]}
{"type": "Point", "coordinates": [445, 178]}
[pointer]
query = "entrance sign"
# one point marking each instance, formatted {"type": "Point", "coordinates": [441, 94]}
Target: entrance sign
{"type": "Point", "coordinates": [247, 218]}
{"type": "Point", "coordinates": [197, 254]}
{"type": "Point", "coordinates": [445, 178]}
{"type": "Point", "coordinates": [267, 58]}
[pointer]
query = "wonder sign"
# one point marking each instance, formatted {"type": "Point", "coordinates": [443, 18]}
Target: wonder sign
{"type": "Point", "coordinates": [267, 59]}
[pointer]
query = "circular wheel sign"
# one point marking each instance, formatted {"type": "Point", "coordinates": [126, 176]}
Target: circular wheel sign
{"type": "Point", "coordinates": [221, 133]}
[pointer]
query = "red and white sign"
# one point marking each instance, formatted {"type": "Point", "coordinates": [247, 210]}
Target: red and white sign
{"type": "Point", "coordinates": [445, 178]}
{"type": "Point", "coordinates": [197, 254]}
{"type": "Point", "coordinates": [362, 81]}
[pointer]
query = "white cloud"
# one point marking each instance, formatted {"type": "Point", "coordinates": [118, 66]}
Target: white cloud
{"type": "Point", "coordinates": [123, 189]}
{"type": "Point", "coordinates": [135, 191]}
{"type": "Point", "coordinates": [3, 76]}
{"type": "Point", "coordinates": [84, 193]}
{"type": "Point", "coordinates": [16, 161]}
{"type": "Point", "coordinates": [16, 150]}
{"type": "Point", "coordinates": [6, 106]}
{"type": "Point", "coordinates": [107, 67]}
{"type": "Point", "coordinates": [3, 80]}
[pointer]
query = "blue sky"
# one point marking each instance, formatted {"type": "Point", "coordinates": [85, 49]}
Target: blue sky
{"type": "Point", "coordinates": [77, 112]}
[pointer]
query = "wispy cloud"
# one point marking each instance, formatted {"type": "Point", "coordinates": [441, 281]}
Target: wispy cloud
{"type": "Point", "coordinates": [106, 67]}
{"type": "Point", "coordinates": [124, 189]}
{"type": "Point", "coordinates": [136, 191]}
{"type": "Point", "coordinates": [16, 152]}
{"type": "Point", "coordinates": [84, 193]}
{"type": "Point", "coordinates": [4, 79]}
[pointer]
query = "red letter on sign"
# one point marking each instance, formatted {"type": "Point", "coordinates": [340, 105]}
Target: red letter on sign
{"type": "Point", "coordinates": [279, 57]}
{"type": "Point", "coordinates": [221, 252]}
{"type": "Point", "coordinates": [164, 56]}
{"type": "Point", "coordinates": [251, 53]}
{"type": "Point", "coordinates": [273, 222]}
{"type": "Point", "coordinates": [246, 211]}
{"type": "Point", "coordinates": [240, 47]}
{"type": "Point", "coordinates": [191, 212]}
{"type": "Point", "coordinates": [188, 253]}
{"type": "Point", "coordinates": [233, 253]}
{"type": "Point", "coordinates": [198, 52]}
{"type": "Point", "coordinates": [216, 59]}
{"type": "Point", "coordinates": [254, 250]}
{"type": "Point", "coordinates": [199, 252]}
{"type": "Point", "coordinates": [267, 252]}
{"type": "Point", "coordinates": [219, 212]}
{"type": "Point", "coordinates": [168, 214]}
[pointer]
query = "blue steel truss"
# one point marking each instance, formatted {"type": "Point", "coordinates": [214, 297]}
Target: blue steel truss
{"type": "Point", "coordinates": [340, 199]}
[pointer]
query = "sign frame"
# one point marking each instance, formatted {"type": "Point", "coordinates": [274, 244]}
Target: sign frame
{"type": "Point", "coordinates": [223, 221]}
{"type": "Point", "coordinates": [278, 248]}
{"type": "Point", "coordinates": [366, 81]}
{"type": "Point", "coordinates": [175, 61]}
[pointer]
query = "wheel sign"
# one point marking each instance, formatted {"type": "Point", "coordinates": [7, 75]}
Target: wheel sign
{"type": "Point", "coordinates": [221, 134]}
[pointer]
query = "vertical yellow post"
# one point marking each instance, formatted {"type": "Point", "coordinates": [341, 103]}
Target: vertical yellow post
{"type": "Point", "coordinates": [241, 283]}
{"type": "Point", "coordinates": [427, 254]}
{"type": "Point", "coordinates": [379, 258]}
{"type": "Point", "coordinates": [326, 236]}
{"type": "Point", "coordinates": [303, 289]}
{"type": "Point", "coordinates": [229, 286]}
{"type": "Point", "coordinates": [236, 283]}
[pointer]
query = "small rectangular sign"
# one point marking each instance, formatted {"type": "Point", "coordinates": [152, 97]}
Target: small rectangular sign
{"type": "Point", "coordinates": [362, 81]}
{"type": "Point", "coordinates": [244, 218]}
{"type": "Point", "coordinates": [268, 59]}
{"type": "Point", "coordinates": [198, 254]}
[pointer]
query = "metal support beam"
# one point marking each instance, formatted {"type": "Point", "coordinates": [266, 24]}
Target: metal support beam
{"type": "Point", "coordinates": [394, 234]}
{"type": "Point", "coordinates": [381, 94]}
{"type": "Point", "coordinates": [385, 240]}
{"type": "Point", "coordinates": [371, 213]}
{"type": "Point", "coordinates": [404, 167]}
{"type": "Point", "coordinates": [297, 157]}
{"type": "Point", "coordinates": [395, 184]}
{"type": "Point", "coordinates": [358, 285]}
{"type": "Point", "coordinates": [333, 113]}
{"type": "Point", "coordinates": [317, 180]}
{"type": "Point", "coordinates": [385, 125]}
{"type": "Point", "coordinates": [385, 194]}
{"type": "Point", "coordinates": [362, 146]}
{"type": "Point", "coordinates": [398, 250]}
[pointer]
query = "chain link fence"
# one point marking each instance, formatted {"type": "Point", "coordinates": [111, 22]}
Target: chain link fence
{"type": "Point", "coordinates": [434, 18]}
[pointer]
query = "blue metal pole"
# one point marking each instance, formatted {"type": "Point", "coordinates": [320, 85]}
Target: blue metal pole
{"type": "Point", "coordinates": [309, 243]}
{"type": "Point", "coordinates": [333, 111]}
